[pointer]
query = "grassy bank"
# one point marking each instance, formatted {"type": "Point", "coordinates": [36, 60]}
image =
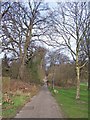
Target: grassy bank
{"type": "Point", "coordinates": [71, 107]}
{"type": "Point", "coordinates": [15, 95]}
{"type": "Point", "coordinates": [10, 109]}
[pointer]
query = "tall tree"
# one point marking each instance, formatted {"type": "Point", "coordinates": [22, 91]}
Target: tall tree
{"type": "Point", "coordinates": [86, 41]}
{"type": "Point", "coordinates": [21, 26]}
{"type": "Point", "coordinates": [67, 22]}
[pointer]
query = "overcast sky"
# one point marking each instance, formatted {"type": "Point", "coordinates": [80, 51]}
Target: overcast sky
{"type": "Point", "coordinates": [52, 4]}
{"type": "Point", "coordinates": [53, 1]}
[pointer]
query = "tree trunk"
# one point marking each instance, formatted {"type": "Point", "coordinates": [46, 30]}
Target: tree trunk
{"type": "Point", "coordinates": [53, 83]}
{"type": "Point", "coordinates": [78, 75]}
{"type": "Point", "coordinates": [78, 83]}
{"type": "Point", "coordinates": [89, 74]}
{"type": "Point", "coordinates": [21, 69]}
{"type": "Point", "coordinates": [22, 66]}
{"type": "Point", "coordinates": [22, 61]}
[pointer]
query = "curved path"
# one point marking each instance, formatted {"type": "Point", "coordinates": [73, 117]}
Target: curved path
{"type": "Point", "coordinates": [43, 105]}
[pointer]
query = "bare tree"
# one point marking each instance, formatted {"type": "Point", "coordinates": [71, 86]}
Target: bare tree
{"type": "Point", "coordinates": [6, 8]}
{"type": "Point", "coordinates": [21, 26]}
{"type": "Point", "coordinates": [68, 22]}
{"type": "Point", "coordinates": [55, 58]}
{"type": "Point", "coordinates": [85, 45]}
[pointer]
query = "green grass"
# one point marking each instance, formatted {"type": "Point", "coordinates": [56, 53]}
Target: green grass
{"type": "Point", "coordinates": [10, 110]}
{"type": "Point", "coordinates": [71, 107]}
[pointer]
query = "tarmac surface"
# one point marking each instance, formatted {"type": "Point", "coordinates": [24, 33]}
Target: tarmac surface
{"type": "Point", "coordinates": [43, 105]}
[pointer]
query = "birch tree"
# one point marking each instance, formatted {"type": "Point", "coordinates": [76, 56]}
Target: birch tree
{"type": "Point", "coordinates": [86, 41]}
{"type": "Point", "coordinates": [68, 20]}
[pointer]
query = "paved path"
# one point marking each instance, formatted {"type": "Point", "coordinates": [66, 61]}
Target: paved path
{"type": "Point", "coordinates": [43, 105]}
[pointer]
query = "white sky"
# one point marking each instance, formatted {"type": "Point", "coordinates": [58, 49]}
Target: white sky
{"type": "Point", "coordinates": [52, 4]}
{"type": "Point", "coordinates": [49, 0]}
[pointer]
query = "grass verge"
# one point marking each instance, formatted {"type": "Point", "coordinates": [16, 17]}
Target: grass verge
{"type": "Point", "coordinates": [9, 110]}
{"type": "Point", "coordinates": [71, 107]}
{"type": "Point", "coordinates": [15, 94]}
